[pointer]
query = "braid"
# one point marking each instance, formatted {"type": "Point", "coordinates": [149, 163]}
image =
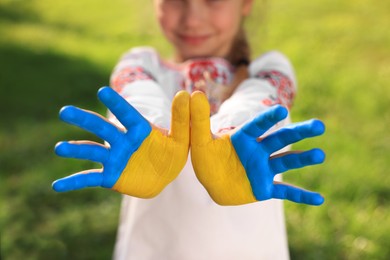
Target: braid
{"type": "Point", "coordinates": [239, 57]}
{"type": "Point", "coordinates": [240, 51]}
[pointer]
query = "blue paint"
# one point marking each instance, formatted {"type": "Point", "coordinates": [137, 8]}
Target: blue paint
{"type": "Point", "coordinates": [123, 143]}
{"type": "Point", "coordinates": [261, 168]}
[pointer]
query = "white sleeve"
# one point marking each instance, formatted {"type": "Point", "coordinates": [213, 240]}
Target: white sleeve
{"type": "Point", "coordinates": [136, 78]}
{"type": "Point", "coordinates": [271, 82]}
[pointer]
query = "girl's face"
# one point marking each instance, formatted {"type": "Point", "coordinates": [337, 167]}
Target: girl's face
{"type": "Point", "coordinates": [201, 28]}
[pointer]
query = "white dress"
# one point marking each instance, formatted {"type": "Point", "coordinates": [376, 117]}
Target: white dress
{"type": "Point", "coordinates": [182, 222]}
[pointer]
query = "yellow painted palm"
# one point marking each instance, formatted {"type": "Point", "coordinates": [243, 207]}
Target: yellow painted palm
{"type": "Point", "coordinates": [237, 167]}
{"type": "Point", "coordinates": [140, 160]}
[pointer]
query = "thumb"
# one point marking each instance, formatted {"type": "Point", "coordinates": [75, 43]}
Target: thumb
{"type": "Point", "coordinates": [200, 119]}
{"type": "Point", "coordinates": [180, 122]}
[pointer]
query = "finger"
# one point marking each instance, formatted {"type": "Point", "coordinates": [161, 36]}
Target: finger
{"type": "Point", "coordinates": [91, 178]}
{"type": "Point", "coordinates": [85, 151]}
{"type": "Point", "coordinates": [264, 121]}
{"type": "Point", "coordinates": [200, 119]}
{"type": "Point", "coordinates": [292, 134]}
{"type": "Point", "coordinates": [296, 160]}
{"type": "Point", "coordinates": [124, 112]}
{"type": "Point", "coordinates": [180, 123]}
{"type": "Point", "coordinates": [284, 191]}
{"type": "Point", "coordinates": [91, 122]}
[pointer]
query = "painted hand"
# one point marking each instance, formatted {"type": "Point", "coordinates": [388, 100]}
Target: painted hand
{"type": "Point", "coordinates": [237, 167]}
{"type": "Point", "coordinates": [140, 160]}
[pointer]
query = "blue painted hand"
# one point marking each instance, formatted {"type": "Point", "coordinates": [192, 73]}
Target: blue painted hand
{"type": "Point", "coordinates": [139, 160]}
{"type": "Point", "coordinates": [238, 167]}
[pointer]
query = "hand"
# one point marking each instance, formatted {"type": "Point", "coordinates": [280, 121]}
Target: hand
{"type": "Point", "coordinates": [140, 160]}
{"type": "Point", "coordinates": [237, 167]}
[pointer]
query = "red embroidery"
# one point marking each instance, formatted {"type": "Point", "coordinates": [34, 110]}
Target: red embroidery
{"type": "Point", "coordinates": [129, 75]}
{"type": "Point", "coordinates": [219, 71]}
{"type": "Point", "coordinates": [284, 86]}
{"type": "Point", "coordinates": [198, 68]}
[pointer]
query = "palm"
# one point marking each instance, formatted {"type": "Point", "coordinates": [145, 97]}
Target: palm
{"type": "Point", "coordinates": [219, 170]}
{"type": "Point", "coordinates": [138, 160]}
{"type": "Point", "coordinates": [240, 168]}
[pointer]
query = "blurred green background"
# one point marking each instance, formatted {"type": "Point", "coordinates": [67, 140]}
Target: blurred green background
{"type": "Point", "coordinates": [54, 53]}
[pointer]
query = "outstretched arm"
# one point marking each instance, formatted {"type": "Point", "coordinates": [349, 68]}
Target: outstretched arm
{"type": "Point", "coordinates": [237, 167]}
{"type": "Point", "coordinates": [140, 160]}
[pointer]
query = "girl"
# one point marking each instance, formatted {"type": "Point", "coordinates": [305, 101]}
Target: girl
{"type": "Point", "coordinates": [183, 221]}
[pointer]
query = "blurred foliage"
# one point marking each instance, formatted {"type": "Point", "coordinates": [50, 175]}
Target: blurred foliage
{"type": "Point", "coordinates": [57, 53]}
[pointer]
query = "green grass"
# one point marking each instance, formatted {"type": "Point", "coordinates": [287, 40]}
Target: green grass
{"type": "Point", "coordinates": [58, 53]}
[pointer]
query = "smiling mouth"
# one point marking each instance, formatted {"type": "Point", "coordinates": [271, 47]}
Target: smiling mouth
{"type": "Point", "coordinates": [194, 39]}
